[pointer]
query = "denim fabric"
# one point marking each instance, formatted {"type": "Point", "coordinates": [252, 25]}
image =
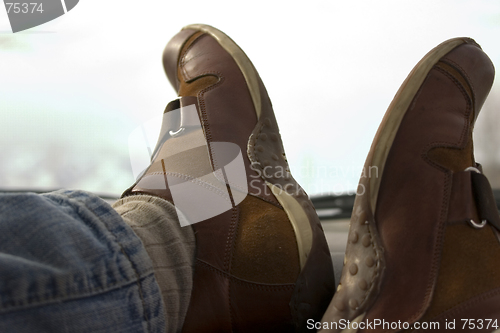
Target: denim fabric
{"type": "Point", "coordinates": [69, 263]}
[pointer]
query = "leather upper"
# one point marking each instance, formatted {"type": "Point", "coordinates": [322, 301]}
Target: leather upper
{"type": "Point", "coordinates": [417, 195]}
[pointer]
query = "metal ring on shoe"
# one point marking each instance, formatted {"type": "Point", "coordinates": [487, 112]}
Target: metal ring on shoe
{"type": "Point", "coordinates": [474, 224]}
{"type": "Point", "coordinates": [176, 133]}
{"type": "Point", "coordinates": [473, 169]}
{"type": "Point", "coordinates": [478, 225]}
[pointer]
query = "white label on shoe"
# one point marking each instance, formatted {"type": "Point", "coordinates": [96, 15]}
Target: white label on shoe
{"type": "Point", "coordinates": [199, 192]}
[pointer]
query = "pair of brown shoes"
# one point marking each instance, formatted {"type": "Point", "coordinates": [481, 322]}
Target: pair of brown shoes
{"type": "Point", "coordinates": [424, 240]}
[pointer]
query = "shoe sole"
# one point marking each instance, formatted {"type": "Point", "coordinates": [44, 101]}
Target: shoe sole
{"type": "Point", "coordinates": [299, 219]}
{"type": "Point", "coordinates": [363, 280]}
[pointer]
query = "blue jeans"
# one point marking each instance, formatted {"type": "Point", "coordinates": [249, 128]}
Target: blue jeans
{"type": "Point", "coordinates": [69, 263]}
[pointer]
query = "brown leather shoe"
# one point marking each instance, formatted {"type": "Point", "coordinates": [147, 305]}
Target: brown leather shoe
{"type": "Point", "coordinates": [424, 242]}
{"type": "Point", "coordinates": [264, 264]}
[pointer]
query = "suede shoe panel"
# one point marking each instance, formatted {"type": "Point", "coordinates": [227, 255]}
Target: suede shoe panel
{"type": "Point", "coordinates": [469, 267]}
{"type": "Point", "coordinates": [265, 244]}
{"type": "Point", "coordinates": [192, 88]}
{"type": "Point", "coordinates": [455, 159]}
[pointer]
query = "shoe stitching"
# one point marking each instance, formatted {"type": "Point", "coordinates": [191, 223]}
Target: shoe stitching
{"type": "Point", "coordinates": [464, 74]}
{"type": "Point", "coordinates": [231, 241]}
{"type": "Point", "coordinates": [250, 284]}
{"type": "Point", "coordinates": [206, 127]}
{"type": "Point", "coordinates": [207, 131]}
{"type": "Point", "coordinates": [136, 273]}
{"type": "Point", "coordinates": [470, 100]}
{"type": "Point", "coordinates": [465, 130]}
{"type": "Point", "coordinates": [228, 258]}
{"type": "Point", "coordinates": [203, 110]}
{"type": "Point", "coordinates": [197, 181]}
{"type": "Point", "coordinates": [468, 108]}
{"type": "Point", "coordinates": [470, 303]}
{"type": "Point", "coordinates": [183, 61]}
{"type": "Point", "coordinates": [438, 253]}
{"type": "Point", "coordinates": [446, 197]}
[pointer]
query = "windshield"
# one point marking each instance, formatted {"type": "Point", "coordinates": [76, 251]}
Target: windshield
{"type": "Point", "coordinates": [73, 90]}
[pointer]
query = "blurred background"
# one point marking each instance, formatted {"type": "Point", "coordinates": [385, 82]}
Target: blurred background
{"type": "Point", "coordinates": [74, 89]}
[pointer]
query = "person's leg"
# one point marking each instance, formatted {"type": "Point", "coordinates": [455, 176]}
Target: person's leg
{"type": "Point", "coordinates": [262, 264]}
{"type": "Point", "coordinates": [69, 263]}
{"type": "Point", "coordinates": [170, 247]}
